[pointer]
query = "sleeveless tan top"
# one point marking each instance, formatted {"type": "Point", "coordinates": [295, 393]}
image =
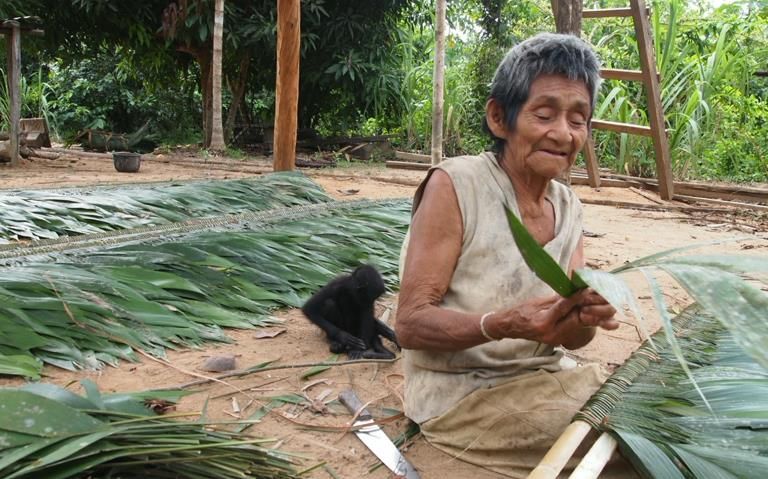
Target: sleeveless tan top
{"type": "Point", "coordinates": [490, 275]}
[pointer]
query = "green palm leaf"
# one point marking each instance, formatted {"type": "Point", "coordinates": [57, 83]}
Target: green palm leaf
{"type": "Point", "coordinates": [41, 214]}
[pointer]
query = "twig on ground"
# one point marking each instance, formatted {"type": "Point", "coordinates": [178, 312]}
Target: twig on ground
{"type": "Point", "coordinates": [256, 369]}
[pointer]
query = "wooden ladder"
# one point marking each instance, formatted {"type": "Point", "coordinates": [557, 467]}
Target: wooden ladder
{"type": "Point", "coordinates": [650, 78]}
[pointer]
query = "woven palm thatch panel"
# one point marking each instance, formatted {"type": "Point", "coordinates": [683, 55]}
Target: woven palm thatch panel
{"type": "Point", "coordinates": [76, 307]}
{"type": "Point", "coordinates": [37, 214]}
{"type": "Point", "coordinates": [710, 424]}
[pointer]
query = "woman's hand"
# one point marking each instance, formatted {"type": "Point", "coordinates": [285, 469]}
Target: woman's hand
{"type": "Point", "coordinates": [595, 311]}
{"type": "Point", "coordinates": [555, 320]}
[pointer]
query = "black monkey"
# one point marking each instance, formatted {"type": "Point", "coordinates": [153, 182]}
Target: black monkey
{"type": "Point", "coordinates": [343, 308]}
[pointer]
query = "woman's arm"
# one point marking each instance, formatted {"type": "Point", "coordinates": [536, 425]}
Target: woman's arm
{"type": "Point", "coordinates": [433, 251]}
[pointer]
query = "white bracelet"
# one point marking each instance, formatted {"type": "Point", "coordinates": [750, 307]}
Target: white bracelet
{"type": "Point", "coordinates": [482, 327]}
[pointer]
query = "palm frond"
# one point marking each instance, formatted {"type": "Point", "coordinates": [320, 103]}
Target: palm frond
{"type": "Point", "coordinates": [37, 214]}
{"type": "Point", "coordinates": [47, 431]}
{"type": "Point", "coordinates": [79, 307]}
{"type": "Point", "coordinates": [661, 420]}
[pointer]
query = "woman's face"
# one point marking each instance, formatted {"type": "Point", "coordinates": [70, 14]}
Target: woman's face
{"type": "Point", "coordinates": [552, 126]}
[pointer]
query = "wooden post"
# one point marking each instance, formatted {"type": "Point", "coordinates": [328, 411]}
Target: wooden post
{"type": "Point", "coordinates": [653, 92]}
{"type": "Point", "coordinates": [568, 20]}
{"type": "Point", "coordinates": [567, 16]}
{"type": "Point", "coordinates": [287, 91]}
{"type": "Point", "coordinates": [14, 82]}
{"type": "Point", "coordinates": [438, 83]}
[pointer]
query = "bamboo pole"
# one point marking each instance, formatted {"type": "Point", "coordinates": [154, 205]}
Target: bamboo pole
{"type": "Point", "coordinates": [561, 451]}
{"type": "Point", "coordinates": [438, 83]}
{"type": "Point", "coordinates": [287, 89]}
{"type": "Point", "coordinates": [598, 456]}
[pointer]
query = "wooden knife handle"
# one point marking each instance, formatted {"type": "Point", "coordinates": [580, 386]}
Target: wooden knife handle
{"type": "Point", "coordinates": [349, 399]}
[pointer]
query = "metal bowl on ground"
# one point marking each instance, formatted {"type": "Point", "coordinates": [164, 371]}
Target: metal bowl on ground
{"type": "Point", "coordinates": [126, 161]}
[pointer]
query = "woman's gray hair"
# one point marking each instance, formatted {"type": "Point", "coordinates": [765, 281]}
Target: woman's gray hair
{"type": "Point", "coordinates": [543, 54]}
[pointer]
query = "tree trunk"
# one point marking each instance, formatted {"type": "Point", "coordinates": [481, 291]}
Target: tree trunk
{"type": "Point", "coordinates": [237, 95]}
{"type": "Point", "coordinates": [217, 130]}
{"type": "Point", "coordinates": [438, 83]}
{"type": "Point", "coordinates": [567, 16]}
{"type": "Point", "coordinates": [287, 91]}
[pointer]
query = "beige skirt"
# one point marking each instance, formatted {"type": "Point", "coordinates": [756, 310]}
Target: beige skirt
{"type": "Point", "coordinates": [509, 428]}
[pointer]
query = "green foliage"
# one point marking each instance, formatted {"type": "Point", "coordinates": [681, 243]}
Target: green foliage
{"type": "Point", "coordinates": [106, 92]}
{"type": "Point", "coordinates": [739, 147]}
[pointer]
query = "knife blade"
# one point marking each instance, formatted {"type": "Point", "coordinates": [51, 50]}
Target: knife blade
{"type": "Point", "coordinates": [375, 439]}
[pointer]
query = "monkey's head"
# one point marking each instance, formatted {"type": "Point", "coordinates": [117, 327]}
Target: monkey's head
{"type": "Point", "coordinates": [368, 282]}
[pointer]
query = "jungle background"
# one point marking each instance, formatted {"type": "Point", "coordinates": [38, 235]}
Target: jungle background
{"type": "Point", "coordinates": [366, 69]}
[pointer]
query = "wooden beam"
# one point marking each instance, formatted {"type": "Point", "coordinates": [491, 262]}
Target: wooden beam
{"type": "Point", "coordinates": [14, 84]}
{"type": "Point", "coordinates": [415, 157]}
{"type": "Point", "coordinates": [622, 127]}
{"type": "Point", "coordinates": [653, 92]}
{"type": "Point", "coordinates": [607, 12]}
{"type": "Point", "coordinates": [287, 90]}
{"type": "Point", "coordinates": [590, 158]}
{"type": "Point", "coordinates": [617, 74]}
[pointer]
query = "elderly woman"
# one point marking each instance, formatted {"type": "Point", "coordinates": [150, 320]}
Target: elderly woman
{"type": "Point", "coordinates": [481, 334]}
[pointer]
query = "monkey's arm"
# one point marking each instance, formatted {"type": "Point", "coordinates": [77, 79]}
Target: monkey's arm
{"type": "Point", "coordinates": [328, 317]}
{"type": "Point", "coordinates": [386, 331]}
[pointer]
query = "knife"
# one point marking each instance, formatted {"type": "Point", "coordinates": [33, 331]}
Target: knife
{"type": "Point", "coordinates": [375, 439]}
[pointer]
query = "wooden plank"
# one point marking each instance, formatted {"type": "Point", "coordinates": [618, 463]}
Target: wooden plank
{"type": "Point", "coordinates": [622, 127]}
{"type": "Point", "coordinates": [14, 84]}
{"type": "Point", "coordinates": [406, 165]}
{"type": "Point", "coordinates": [705, 190]}
{"type": "Point", "coordinates": [604, 182]}
{"type": "Point", "coordinates": [287, 90]}
{"type": "Point", "coordinates": [733, 204]}
{"type": "Point", "coordinates": [414, 157]}
{"type": "Point", "coordinates": [607, 13]}
{"type": "Point", "coordinates": [653, 92]}
{"type": "Point", "coordinates": [590, 158]}
{"type": "Point", "coordinates": [617, 74]}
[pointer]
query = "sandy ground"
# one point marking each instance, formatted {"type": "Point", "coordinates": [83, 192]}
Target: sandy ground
{"type": "Point", "coordinates": [613, 237]}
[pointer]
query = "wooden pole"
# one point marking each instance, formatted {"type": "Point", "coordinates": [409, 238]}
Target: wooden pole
{"type": "Point", "coordinates": [14, 82]}
{"type": "Point", "coordinates": [438, 82]}
{"type": "Point", "coordinates": [653, 92]}
{"type": "Point", "coordinates": [217, 129]}
{"type": "Point", "coordinates": [567, 16]}
{"type": "Point", "coordinates": [287, 91]}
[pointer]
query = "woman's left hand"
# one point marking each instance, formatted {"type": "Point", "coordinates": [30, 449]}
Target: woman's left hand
{"type": "Point", "coordinates": [595, 311]}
